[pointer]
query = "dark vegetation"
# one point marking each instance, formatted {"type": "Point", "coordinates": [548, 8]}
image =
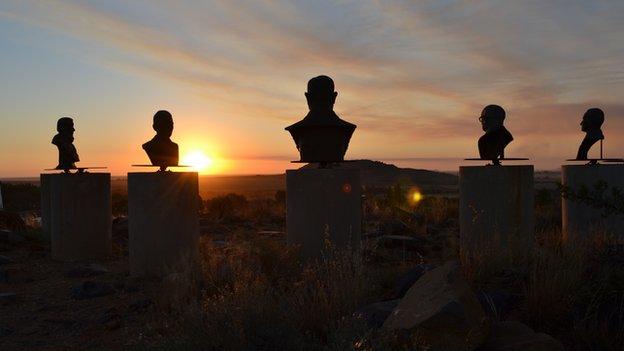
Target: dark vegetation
{"type": "Point", "coordinates": [19, 197]}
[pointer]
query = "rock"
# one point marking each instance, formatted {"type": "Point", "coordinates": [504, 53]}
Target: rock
{"type": "Point", "coordinates": [439, 312]}
{"type": "Point", "coordinates": [46, 307]}
{"type": "Point", "coordinates": [5, 332]}
{"type": "Point", "coordinates": [7, 298]}
{"type": "Point", "coordinates": [141, 305]}
{"type": "Point", "coordinates": [113, 324]}
{"type": "Point", "coordinates": [5, 260]}
{"type": "Point", "coordinates": [375, 314]}
{"type": "Point", "coordinates": [15, 276]}
{"type": "Point", "coordinates": [110, 319]}
{"type": "Point", "coordinates": [120, 227]}
{"type": "Point", "coordinates": [515, 336]}
{"type": "Point", "coordinates": [173, 279]}
{"type": "Point", "coordinates": [433, 230]}
{"type": "Point", "coordinates": [129, 284]}
{"type": "Point", "coordinates": [10, 237]}
{"type": "Point", "coordinates": [399, 247]}
{"type": "Point", "coordinates": [11, 221]}
{"type": "Point", "coordinates": [394, 227]}
{"type": "Point", "coordinates": [131, 287]}
{"type": "Point", "coordinates": [219, 243]}
{"type": "Point", "coordinates": [60, 321]}
{"type": "Point", "coordinates": [90, 289]}
{"type": "Point", "coordinates": [496, 304]}
{"type": "Point", "coordinates": [407, 243]}
{"type": "Point", "coordinates": [409, 278]}
{"type": "Point", "coordinates": [417, 218]}
{"type": "Point", "coordinates": [86, 271]}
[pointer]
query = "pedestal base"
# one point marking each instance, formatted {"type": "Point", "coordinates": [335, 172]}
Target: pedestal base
{"type": "Point", "coordinates": [496, 210]}
{"type": "Point", "coordinates": [579, 219]}
{"type": "Point", "coordinates": [76, 215]}
{"type": "Point", "coordinates": [163, 221]}
{"type": "Point", "coordinates": [324, 209]}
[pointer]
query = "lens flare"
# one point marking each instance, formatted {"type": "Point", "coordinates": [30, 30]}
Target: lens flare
{"type": "Point", "coordinates": [415, 196]}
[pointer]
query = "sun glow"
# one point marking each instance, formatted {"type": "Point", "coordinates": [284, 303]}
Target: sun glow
{"type": "Point", "coordinates": [199, 161]}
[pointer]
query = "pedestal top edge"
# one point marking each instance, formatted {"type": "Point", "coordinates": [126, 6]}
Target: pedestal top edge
{"type": "Point", "coordinates": [594, 166]}
{"type": "Point", "coordinates": [322, 170]}
{"type": "Point", "coordinates": [83, 174]}
{"type": "Point", "coordinates": [496, 167]}
{"type": "Point", "coordinates": [161, 173]}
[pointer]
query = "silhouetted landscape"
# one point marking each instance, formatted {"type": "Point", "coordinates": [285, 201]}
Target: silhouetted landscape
{"type": "Point", "coordinates": [249, 291]}
{"type": "Point", "coordinates": [312, 175]}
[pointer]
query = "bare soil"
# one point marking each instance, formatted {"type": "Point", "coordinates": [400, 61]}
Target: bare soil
{"type": "Point", "coordinates": [43, 315]}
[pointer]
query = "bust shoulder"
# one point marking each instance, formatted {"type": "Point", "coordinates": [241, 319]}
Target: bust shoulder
{"type": "Point", "coordinates": [57, 139]}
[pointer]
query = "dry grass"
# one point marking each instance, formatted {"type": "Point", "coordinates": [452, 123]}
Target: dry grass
{"type": "Point", "coordinates": [573, 290]}
{"type": "Point", "coordinates": [256, 295]}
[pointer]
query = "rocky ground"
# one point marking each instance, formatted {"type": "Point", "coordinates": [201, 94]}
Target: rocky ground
{"type": "Point", "coordinates": [48, 305]}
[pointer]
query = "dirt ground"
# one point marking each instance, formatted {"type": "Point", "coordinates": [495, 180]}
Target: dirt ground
{"type": "Point", "coordinates": [44, 315]}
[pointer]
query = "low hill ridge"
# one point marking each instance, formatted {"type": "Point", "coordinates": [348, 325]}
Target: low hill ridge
{"type": "Point", "coordinates": [381, 174]}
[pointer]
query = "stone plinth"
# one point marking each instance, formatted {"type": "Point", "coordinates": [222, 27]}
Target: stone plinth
{"type": "Point", "coordinates": [579, 219]}
{"type": "Point", "coordinates": [163, 221]}
{"type": "Point", "coordinates": [76, 215]}
{"type": "Point", "coordinates": [496, 205]}
{"type": "Point", "coordinates": [324, 206]}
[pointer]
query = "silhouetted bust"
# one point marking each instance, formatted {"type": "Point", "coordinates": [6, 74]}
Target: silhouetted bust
{"type": "Point", "coordinates": [64, 141]}
{"type": "Point", "coordinates": [321, 136]}
{"type": "Point", "coordinates": [492, 144]}
{"type": "Point", "coordinates": [592, 121]}
{"type": "Point", "coordinates": [161, 150]}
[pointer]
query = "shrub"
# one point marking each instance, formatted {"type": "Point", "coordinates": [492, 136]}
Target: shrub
{"type": "Point", "coordinates": [226, 207]}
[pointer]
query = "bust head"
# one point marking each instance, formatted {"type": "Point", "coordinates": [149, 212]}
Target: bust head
{"type": "Point", "coordinates": [492, 117]}
{"type": "Point", "coordinates": [163, 123]}
{"type": "Point", "coordinates": [592, 119]}
{"type": "Point", "coordinates": [65, 126]}
{"type": "Point", "coordinates": [161, 150]}
{"type": "Point", "coordinates": [321, 95]}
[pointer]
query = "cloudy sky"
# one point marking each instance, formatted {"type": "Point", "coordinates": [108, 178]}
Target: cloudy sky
{"type": "Point", "coordinates": [413, 75]}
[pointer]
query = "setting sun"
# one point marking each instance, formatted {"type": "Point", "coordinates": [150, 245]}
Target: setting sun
{"type": "Point", "coordinates": [198, 160]}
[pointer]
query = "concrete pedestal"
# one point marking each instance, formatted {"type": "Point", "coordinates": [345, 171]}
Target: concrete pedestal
{"type": "Point", "coordinates": [163, 221]}
{"type": "Point", "coordinates": [580, 220]}
{"type": "Point", "coordinates": [76, 215]}
{"type": "Point", "coordinates": [496, 205]}
{"type": "Point", "coordinates": [324, 206]}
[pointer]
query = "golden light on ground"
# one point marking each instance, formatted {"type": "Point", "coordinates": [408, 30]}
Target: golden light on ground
{"type": "Point", "coordinates": [199, 161]}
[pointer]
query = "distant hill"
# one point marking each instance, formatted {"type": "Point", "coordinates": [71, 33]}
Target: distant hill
{"type": "Point", "coordinates": [380, 174]}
